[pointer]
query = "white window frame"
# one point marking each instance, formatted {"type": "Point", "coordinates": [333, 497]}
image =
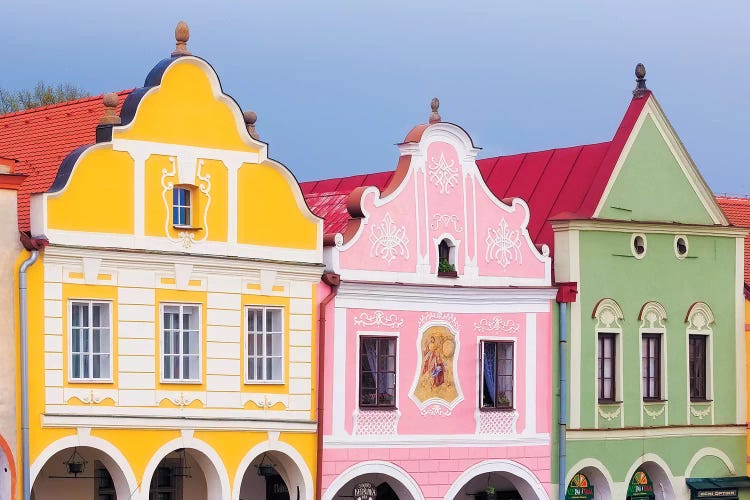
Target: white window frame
{"type": "Point", "coordinates": [90, 303]}
{"type": "Point", "coordinates": [609, 316]}
{"type": "Point", "coordinates": [371, 333]}
{"type": "Point", "coordinates": [199, 324]}
{"type": "Point", "coordinates": [707, 331]}
{"type": "Point", "coordinates": [653, 319]}
{"type": "Point", "coordinates": [264, 357]}
{"type": "Point", "coordinates": [480, 373]}
{"type": "Point", "coordinates": [188, 207]}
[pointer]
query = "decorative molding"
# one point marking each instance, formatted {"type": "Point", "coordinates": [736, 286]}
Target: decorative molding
{"type": "Point", "coordinates": [379, 318]}
{"type": "Point", "coordinates": [388, 240]}
{"type": "Point", "coordinates": [608, 314]}
{"type": "Point", "coordinates": [699, 317]}
{"type": "Point", "coordinates": [499, 423]}
{"type": "Point", "coordinates": [439, 317]}
{"type": "Point", "coordinates": [185, 238]}
{"type": "Point", "coordinates": [446, 220]}
{"type": "Point", "coordinates": [653, 315]}
{"type": "Point", "coordinates": [609, 415]}
{"type": "Point", "coordinates": [657, 413]}
{"type": "Point", "coordinates": [376, 422]}
{"type": "Point", "coordinates": [701, 414]}
{"type": "Point", "coordinates": [496, 325]}
{"type": "Point", "coordinates": [435, 410]}
{"type": "Point", "coordinates": [443, 174]}
{"type": "Point", "coordinates": [503, 245]}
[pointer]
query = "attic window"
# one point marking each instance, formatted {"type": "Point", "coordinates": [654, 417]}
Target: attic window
{"type": "Point", "coordinates": [680, 246]}
{"type": "Point", "coordinates": [181, 213]}
{"type": "Point", "coordinates": [446, 259]}
{"type": "Point", "coordinates": [638, 245]}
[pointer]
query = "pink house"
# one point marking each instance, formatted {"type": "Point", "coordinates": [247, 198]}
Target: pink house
{"type": "Point", "coordinates": [436, 332]}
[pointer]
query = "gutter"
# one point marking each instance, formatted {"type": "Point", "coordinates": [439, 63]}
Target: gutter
{"type": "Point", "coordinates": [332, 280]}
{"type": "Point", "coordinates": [24, 321]}
{"type": "Point", "coordinates": [566, 293]}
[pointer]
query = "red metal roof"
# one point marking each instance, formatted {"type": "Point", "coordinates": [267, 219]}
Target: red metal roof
{"type": "Point", "coordinates": [40, 138]}
{"type": "Point", "coordinates": [567, 180]}
{"type": "Point", "coordinates": [737, 210]}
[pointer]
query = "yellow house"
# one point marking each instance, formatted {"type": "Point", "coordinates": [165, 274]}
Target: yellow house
{"type": "Point", "coordinates": [170, 316]}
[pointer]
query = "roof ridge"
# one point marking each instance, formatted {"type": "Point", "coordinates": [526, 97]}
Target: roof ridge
{"type": "Point", "coordinates": [62, 104]}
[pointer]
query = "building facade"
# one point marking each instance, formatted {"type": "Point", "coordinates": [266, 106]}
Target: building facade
{"type": "Point", "coordinates": [170, 320]}
{"type": "Point", "coordinates": [657, 379]}
{"type": "Point", "coordinates": [437, 334]}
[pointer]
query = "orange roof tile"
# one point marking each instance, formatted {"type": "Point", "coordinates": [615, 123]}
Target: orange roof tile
{"type": "Point", "coordinates": [40, 138]}
{"type": "Point", "coordinates": [737, 210]}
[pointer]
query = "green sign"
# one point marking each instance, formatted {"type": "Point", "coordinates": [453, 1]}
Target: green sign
{"type": "Point", "coordinates": [580, 488]}
{"type": "Point", "coordinates": [640, 486]}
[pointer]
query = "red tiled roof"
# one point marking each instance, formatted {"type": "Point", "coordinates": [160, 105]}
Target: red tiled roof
{"type": "Point", "coordinates": [40, 138]}
{"type": "Point", "coordinates": [737, 210]}
{"type": "Point", "coordinates": [567, 180]}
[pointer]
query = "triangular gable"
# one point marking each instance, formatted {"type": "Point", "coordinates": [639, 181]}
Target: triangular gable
{"type": "Point", "coordinates": [654, 178]}
{"type": "Point", "coordinates": [437, 194]}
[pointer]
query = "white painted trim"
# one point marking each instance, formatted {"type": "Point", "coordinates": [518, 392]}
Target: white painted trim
{"type": "Point", "coordinates": [658, 461]}
{"type": "Point", "coordinates": [339, 372]}
{"type": "Point", "coordinates": [531, 370]}
{"type": "Point", "coordinates": [739, 339]}
{"type": "Point", "coordinates": [656, 432]}
{"type": "Point", "coordinates": [677, 237]}
{"type": "Point", "coordinates": [709, 452]}
{"type": "Point", "coordinates": [633, 237]}
{"type": "Point", "coordinates": [201, 334]}
{"type": "Point", "coordinates": [647, 227]}
{"type": "Point", "coordinates": [704, 193]}
{"type": "Point", "coordinates": [709, 334]}
{"type": "Point", "coordinates": [69, 331]}
{"type": "Point", "coordinates": [574, 349]}
{"type": "Point", "coordinates": [438, 441]}
{"type": "Point", "coordinates": [373, 467]}
{"type": "Point", "coordinates": [355, 397]}
{"type": "Point", "coordinates": [210, 462]}
{"type": "Point", "coordinates": [85, 439]}
{"type": "Point", "coordinates": [165, 418]}
{"type": "Point", "coordinates": [589, 463]}
{"type": "Point", "coordinates": [527, 484]}
{"type": "Point", "coordinates": [291, 479]}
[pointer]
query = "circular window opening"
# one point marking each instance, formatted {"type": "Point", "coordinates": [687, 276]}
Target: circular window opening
{"type": "Point", "coordinates": [681, 246]}
{"type": "Point", "coordinates": [638, 245]}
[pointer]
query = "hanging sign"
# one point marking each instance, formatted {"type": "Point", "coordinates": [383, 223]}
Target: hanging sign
{"type": "Point", "coordinates": [580, 488]}
{"type": "Point", "coordinates": [640, 486]}
{"type": "Point", "coordinates": [365, 491]}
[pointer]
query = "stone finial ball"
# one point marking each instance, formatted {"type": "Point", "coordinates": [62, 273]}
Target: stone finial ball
{"type": "Point", "coordinates": [640, 71]}
{"type": "Point", "coordinates": [250, 117]}
{"type": "Point", "coordinates": [182, 32]}
{"type": "Point", "coordinates": [435, 104]}
{"type": "Point", "coordinates": [111, 100]}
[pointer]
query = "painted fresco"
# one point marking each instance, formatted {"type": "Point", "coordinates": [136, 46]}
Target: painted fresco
{"type": "Point", "coordinates": [435, 376]}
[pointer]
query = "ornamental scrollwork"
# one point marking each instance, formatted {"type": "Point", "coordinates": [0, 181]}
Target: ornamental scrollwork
{"type": "Point", "coordinates": [388, 240]}
{"type": "Point", "coordinates": [379, 318]}
{"type": "Point", "coordinates": [497, 324]}
{"type": "Point", "coordinates": [503, 245]}
{"type": "Point", "coordinates": [443, 174]}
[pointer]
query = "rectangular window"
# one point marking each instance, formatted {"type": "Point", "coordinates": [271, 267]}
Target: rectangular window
{"type": "Point", "coordinates": [181, 343]}
{"type": "Point", "coordinates": [606, 364]}
{"type": "Point", "coordinates": [651, 366]}
{"type": "Point", "coordinates": [697, 367]}
{"type": "Point", "coordinates": [377, 372]}
{"type": "Point", "coordinates": [90, 341]}
{"type": "Point", "coordinates": [264, 344]}
{"type": "Point", "coordinates": [497, 375]}
{"type": "Point", "coordinates": [181, 206]}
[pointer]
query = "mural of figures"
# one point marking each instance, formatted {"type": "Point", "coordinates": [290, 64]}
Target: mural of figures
{"type": "Point", "coordinates": [436, 377]}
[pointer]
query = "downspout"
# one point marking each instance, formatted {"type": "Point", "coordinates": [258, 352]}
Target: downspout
{"type": "Point", "coordinates": [332, 280]}
{"type": "Point", "coordinates": [566, 293]}
{"type": "Point", "coordinates": [563, 420]}
{"type": "Point", "coordinates": [24, 320]}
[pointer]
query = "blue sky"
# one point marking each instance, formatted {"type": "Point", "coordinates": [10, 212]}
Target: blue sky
{"type": "Point", "coordinates": [336, 83]}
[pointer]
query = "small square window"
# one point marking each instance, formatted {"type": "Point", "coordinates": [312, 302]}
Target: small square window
{"type": "Point", "coordinates": [181, 206]}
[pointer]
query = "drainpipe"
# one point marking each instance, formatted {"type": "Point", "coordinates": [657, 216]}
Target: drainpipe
{"type": "Point", "coordinates": [566, 293]}
{"type": "Point", "coordinates": [563, 397]}
{"type": "Point", "coordinates": [25, 465]}
{"type": "Point", "coordinates": [332, 280]}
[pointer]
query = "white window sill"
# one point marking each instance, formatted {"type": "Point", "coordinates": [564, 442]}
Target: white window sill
{"type": "Point", "coordinates": [264, 382]}
{"type": "Point", "coordinates": [90, 381]}
{"type": "Point", "coordinates": [182, 381]}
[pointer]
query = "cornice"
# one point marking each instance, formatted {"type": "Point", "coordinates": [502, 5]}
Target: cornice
{"type": "Point", "coordinates": [646, 227]}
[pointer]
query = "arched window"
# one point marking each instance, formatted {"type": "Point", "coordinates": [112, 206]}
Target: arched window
{"type": "Point", "coordinates": [446, 258]}
{"type": "Point", "coordinates": [699, 331]}
{"type": "Point", "coordinates": [608, 316]}
{"type": "Point", "coordinates": [653, 358]}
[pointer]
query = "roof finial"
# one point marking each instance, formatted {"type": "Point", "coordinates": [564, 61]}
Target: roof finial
{"type": "Point", "coordinates": [250, 118]}
{"type": "Point", "coordinates": [110, 117]}
{"type": "Point", "coordinates": [181, 36]}
{"type": "Point", "coordinates": [640, 79]}
{"type": "Point", "coordinates": [435, 116]}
